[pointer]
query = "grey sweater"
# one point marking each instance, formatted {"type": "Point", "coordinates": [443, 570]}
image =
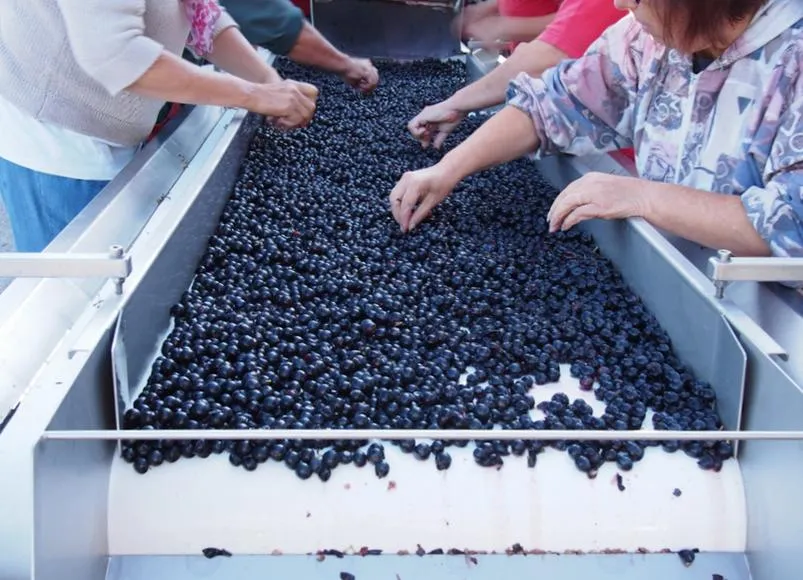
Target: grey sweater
{"type": "Point", "coordinates": [68, 62]}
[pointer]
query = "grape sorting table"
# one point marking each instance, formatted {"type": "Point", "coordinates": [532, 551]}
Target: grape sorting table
{"type": "Point", "coordinates": [71, 508]}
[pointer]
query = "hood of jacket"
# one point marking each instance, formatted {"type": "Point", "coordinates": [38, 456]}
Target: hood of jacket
{"type": "Point", "coordinates": [772, 20]}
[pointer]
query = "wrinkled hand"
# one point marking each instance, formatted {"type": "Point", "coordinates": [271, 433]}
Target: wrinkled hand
{"type": "Point", "coordinates": [417, 193]}
{"type": "Point", "coordinates": [434, 124]}
{"type": "Point", "coordinates": [310, 91]}
{"type": "Point", "coordinates": [362, 75]}
{"type": "Point", "coordinates": [289, 104]}
{"type": "Point", "coordinates": [597, 196]}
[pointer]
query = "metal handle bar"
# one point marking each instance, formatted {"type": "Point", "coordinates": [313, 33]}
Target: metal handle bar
{"type": "Point", "coordinates": [116, 264]}
{"type": "Point", "coordinates": [400, 434]}
{"type": "Point", "coordinates": [724, 268]}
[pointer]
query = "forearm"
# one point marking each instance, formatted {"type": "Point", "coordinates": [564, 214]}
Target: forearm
{"type": "Point", "coordinates": [524, 29]}
{"type": "Point", "coordinates": [533, 58]}
{"type": "Point", "coordinates": [713, 220]}
{"type": "Point", "coordinates": [504, 137]}
{"type": "Point", "coordinates": [314, 50]}
{"type": "Point", "coordinates": [233, 54]}
{"type": "Point", "coordinates": [175, 80]}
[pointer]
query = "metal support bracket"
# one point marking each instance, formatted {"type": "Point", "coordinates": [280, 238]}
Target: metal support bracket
{"type": "Point", "coordinates": [724, 268]}
{"type": "Point", "coordinates": [116, 264]}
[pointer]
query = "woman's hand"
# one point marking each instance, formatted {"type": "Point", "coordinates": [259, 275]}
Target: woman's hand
{"type": "Point", "coordinates": [290, 104]}
{"type": "Point", "coordinates": [417, 193]}
{"type": "Point", "coordinates": [598, 195]}
{"type": "Point", "coordinates": [434, 124]}
{"type": "Point", "coordinates": [310, 91]}
{"type": "Point", "coordinates": [362, 75]}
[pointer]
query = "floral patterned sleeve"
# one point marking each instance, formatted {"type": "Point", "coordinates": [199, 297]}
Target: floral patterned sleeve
{"type": "Point", "coordinates": [776, 211]}
{"type": "Point", "coordinates": [585, 106]}
{"type": "Point", "coordinates": [776, 208]}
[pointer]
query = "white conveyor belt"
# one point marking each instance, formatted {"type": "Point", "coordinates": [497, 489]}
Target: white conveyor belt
{"type": "Point", "coordinates": [197, 503]}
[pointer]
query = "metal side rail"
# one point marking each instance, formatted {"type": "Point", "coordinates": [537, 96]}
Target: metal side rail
{"type": "Point", "coordinates": [47, 299]}
{"type": "Point", "coordinates": [624, 245]}
{"type": "Point", "coordinates": [401, 434]}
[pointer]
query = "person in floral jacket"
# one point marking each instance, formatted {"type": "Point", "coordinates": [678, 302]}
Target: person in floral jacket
{"type": "Point", "coordinates": [710, 94]}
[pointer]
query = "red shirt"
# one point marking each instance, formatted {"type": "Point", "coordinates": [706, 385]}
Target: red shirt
{"type": "Point", "coordinates": [578, 23]}
{"type": "Point", "coordinates": [304, 5]}
{"type": "Point", "coordinates": [526, 8]}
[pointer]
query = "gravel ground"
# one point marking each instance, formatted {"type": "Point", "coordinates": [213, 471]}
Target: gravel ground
{"type": "Point", "coordinates": [6, 241]}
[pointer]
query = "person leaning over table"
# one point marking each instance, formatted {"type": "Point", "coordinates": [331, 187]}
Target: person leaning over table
{"type": "Point", "coordinates": [280, 27]}
{"type": "Point", "coordinates": [76, 102]}
{"type": "Point", "coordinates": [709, 93]}
{"type": "Point", "coordinates": [576, 24]}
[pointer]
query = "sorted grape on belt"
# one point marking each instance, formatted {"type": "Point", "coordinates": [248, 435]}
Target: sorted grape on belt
{"type": "Point", "coordinates": [311, 310]}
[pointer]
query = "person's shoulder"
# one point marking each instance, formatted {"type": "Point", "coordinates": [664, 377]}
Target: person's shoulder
{"type": "Point", "coordinates": [629, 28]}
{"type": "Point", "coordinates": [629, 35]}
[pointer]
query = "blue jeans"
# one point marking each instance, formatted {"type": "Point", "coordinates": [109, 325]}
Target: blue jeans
{"type": "Point", "coordinates": [40, 205]}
